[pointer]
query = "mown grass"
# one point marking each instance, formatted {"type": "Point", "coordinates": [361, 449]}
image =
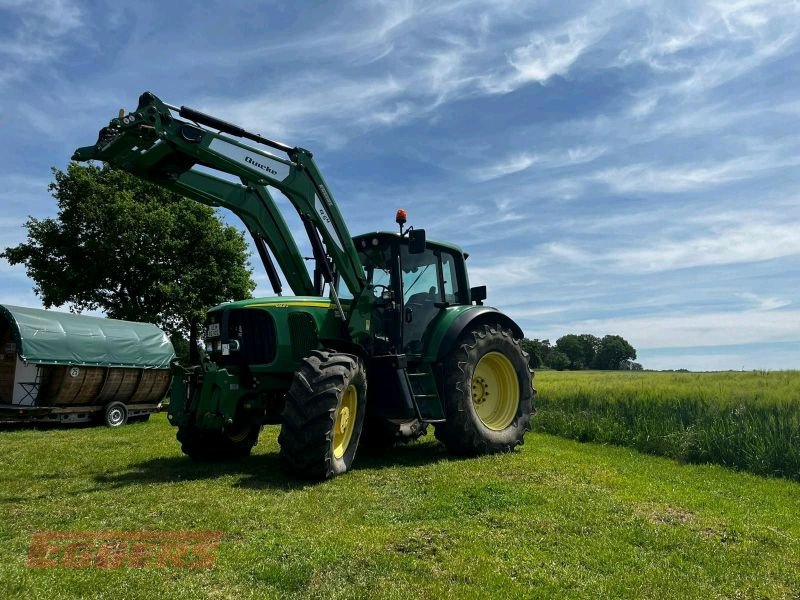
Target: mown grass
{"type": "Point", "coordinates": [748, 420]}
{"type": "Point", "coordinates": [555, 519]}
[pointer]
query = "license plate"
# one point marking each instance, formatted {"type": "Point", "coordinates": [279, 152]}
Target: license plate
{"type": "Point", "coordinates": [213, 330]}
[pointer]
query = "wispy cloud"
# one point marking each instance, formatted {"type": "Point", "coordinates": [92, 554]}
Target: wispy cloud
{"type": "Point", "coordinates": [521, 162]}
{"type": "Point", "coordinates": [510, 272]}
{"type": "Point", "coordinates": [40, 32]}
{"type": "Point", "coordinates": [544, 56]}
{"type": "Point", "coordinates": [749, 243]}
{"type": "Point", "coordinates": [737, 244]}
{"type": "Point", "coordinates": [760, 302]}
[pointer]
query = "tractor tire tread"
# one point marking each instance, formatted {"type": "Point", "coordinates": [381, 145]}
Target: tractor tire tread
{"type": "Point", "coordinates": [460, 432]}
{"type": "Point", "coordinates": [309, 414]}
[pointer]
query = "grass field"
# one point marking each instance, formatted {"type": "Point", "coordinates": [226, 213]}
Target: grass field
{"type": "Point", "coordinates": [555, 519]}
{"type": "Point", "coordinates": [747, 420]}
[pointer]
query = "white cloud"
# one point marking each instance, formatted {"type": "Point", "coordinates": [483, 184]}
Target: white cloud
{"type": "Point", "coordinates": [424, 57]}
{"type": "Point", "coordinates": [671, 178]}
{"type": "Point", "coordinates": [545, 56]}
{"type": "Point", "coordinates": [748, 243]}
{"type": "Point", "coordinates": [512, 164]}
{"type": "Point", "coordinates": [552, 160]}
{"type": "Point", "coordinates": [510, 272]}
{"type": "Point", "coordinates": [738, 243]}
{"type": "Point", "coordinates": [760, 302]}
{"type": "Point", "coordinates": [40, 35]}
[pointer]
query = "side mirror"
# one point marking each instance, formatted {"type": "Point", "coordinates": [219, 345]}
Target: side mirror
{"type": "Point", "coordinates": [416, 241]}
{"type": "Point", "coordinates": [478, 294]}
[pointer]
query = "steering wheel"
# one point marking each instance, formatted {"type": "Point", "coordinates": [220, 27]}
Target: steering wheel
{"type": "Point", "coordinates": [376, 293]}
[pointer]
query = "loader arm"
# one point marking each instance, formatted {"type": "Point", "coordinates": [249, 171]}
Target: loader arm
{"type": "Point", "coordinates": [156, 145]}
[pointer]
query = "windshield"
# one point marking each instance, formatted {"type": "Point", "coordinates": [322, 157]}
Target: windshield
{"type": "Point", "coordinates": [420, 274]}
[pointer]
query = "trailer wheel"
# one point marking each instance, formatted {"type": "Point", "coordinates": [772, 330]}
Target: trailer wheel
{"type": "Point", "coordinates": [323, 415]}
{"type": "Point", "coordinates": [115, 414]}
{"type": "Point", "coordinates": [489, 393]}
{"type": "Point", "coordinates": [205, 445]}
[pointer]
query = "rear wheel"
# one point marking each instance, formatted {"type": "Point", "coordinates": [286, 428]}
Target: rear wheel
{"type": "Point", "coordinates": [202, 445]}
{"type": "Point", "coordinates": [489, 397]}
{"type": "Point", "coordinates": [323, 415]}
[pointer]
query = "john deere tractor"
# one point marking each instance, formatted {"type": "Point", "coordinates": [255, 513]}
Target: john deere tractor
{"type": "Point", "coordinates": [383, 337]}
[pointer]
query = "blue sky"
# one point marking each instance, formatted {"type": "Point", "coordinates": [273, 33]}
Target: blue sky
{"type": "Point", "coordinates": [612, 167]}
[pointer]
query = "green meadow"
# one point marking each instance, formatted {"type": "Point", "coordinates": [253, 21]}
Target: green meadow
{"type": "Point", "coordinates": [556, 519]}
{"type": "Point", "coordinates": [743, 420]}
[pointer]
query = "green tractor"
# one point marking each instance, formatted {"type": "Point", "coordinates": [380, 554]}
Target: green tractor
{"type": "Point", "coordinates": [383, 337]}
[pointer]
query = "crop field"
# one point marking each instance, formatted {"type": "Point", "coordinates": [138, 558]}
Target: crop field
{"type": "Point", "coordinates": [748, 420]}
{"type": "Point", "coordinates": [557, 518]}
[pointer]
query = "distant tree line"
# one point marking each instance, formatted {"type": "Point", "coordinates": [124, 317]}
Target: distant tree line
{"type": "Point", "coordinates": [582, 351]}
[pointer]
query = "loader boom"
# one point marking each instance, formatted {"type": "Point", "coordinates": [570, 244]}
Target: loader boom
{"type": "Point", "coordinates": [184, 155]}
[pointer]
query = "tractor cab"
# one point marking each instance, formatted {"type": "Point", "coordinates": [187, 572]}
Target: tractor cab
{"type": "Point", "coordinates": [412, 283]}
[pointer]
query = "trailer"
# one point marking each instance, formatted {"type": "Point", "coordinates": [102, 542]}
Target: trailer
{"type": "Point", "coordinates": [67, 368]}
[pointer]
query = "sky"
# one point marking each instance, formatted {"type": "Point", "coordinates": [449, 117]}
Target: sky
{"type": "Point", "coordinates": [624, 167]}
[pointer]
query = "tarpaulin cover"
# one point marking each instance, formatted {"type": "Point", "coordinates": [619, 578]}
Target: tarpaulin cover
{"type": "Point", "coordinates": [49, 337]}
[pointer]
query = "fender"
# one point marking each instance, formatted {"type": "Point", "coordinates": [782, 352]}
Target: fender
{"type": "Point", "coordinates": [471, 316]}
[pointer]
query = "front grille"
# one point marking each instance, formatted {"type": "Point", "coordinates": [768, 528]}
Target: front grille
{"type": "Point", "coordinates": [303, 334]}
{"type": "Point", "coordinates": [253, 329]}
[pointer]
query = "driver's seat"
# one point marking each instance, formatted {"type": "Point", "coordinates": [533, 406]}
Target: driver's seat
{"type": "Point", "coordinates": [423, 312]}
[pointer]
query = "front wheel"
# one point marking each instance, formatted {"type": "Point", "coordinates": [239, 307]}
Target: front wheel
{"type": "Point", "coordinates": [323, 415]}
{"type": "Point", "coordinates": [489, 394]}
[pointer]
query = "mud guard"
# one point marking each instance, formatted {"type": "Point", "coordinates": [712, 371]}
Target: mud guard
{"type": "Point", "coordinates": [474, 317]}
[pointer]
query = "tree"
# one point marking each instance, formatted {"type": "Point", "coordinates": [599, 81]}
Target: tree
{"type": "Point", "coordinates": [538, 351]}
{"type": "Point", "coordinates": [579, 349]}
{"type": "Point", "coordinates": [629, 365]}
{"type": "Point", "coordinates": [558, 361]}
{"type": "Point", "coordinates": [133, 250]}
{"type": "Point", "coordinates": [613, 352]}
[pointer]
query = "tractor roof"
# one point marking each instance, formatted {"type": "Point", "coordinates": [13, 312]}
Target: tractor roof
{"type": "Point", "coordinates": [386, 235]}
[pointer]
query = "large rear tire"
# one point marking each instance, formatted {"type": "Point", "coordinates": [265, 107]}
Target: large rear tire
{"type": "Point", "coordinates": [323, 415]}
{"type": "Point", "coordinates": [205, 445]}
{"type": "Point", "coordinates": [489, 393]}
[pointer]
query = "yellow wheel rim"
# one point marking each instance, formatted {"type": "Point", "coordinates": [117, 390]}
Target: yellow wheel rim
{"type": "Point", "coordinates": [345, 421]}
{"type": "Point", "coordinates": [495, 391]}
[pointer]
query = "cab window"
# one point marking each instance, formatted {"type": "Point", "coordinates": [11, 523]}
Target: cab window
{"type": "Point", "coordinates": [450, 278]}
{"type": "Point", "coordinates": [377, 265]}
{"type": "Point", "coordinates": [420, 275]}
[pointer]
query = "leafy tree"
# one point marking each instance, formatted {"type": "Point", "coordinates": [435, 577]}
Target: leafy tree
{"type": "Point", "coordinates": [591, 344]}
{"type": "Point", "coordinates": [579, 349]}
{"type": "Point", "coordinates": [538, 351]}
{"type": "Point", "coordinates": [558, 361]}
{"type": "Point", "coordinates": [133, 250]}
{"type": "Point", "coordinates": [613, 352]}
{"type": "Point", "coordinates": [629, 365]}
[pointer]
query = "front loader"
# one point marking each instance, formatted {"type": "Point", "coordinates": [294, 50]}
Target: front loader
{"type": "Point", "coordinates": [383, 336]}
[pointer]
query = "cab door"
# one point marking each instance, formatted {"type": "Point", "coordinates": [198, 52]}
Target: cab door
{"type": "Point", "coordinates": [380, 269]}
{"type": "Point", "coordinates": [430, 282]}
